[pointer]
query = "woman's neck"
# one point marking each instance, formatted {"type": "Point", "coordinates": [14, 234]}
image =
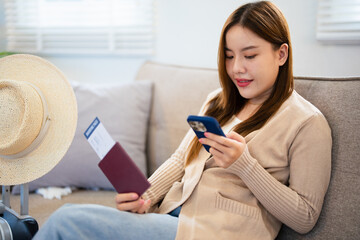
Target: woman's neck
{"type": "Point", "coordinates": [248, 110]}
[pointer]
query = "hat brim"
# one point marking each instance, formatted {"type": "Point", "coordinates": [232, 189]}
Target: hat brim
{"type": "Point", "coordinates": [62, 109]}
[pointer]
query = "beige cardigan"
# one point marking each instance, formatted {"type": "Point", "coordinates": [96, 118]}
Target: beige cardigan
{"type": "Point", "coordinates": [281, 177]}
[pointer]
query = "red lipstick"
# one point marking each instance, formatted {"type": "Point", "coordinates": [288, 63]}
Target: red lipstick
{"type": "Point", "coordinates": [243, 82]}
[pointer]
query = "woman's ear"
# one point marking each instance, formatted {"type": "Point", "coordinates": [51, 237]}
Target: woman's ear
{"type": "Point", "coordinates": [283, 53]}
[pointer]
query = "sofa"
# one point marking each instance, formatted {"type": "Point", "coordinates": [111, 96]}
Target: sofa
{"type": "Point", "coordinates": [171, 94]}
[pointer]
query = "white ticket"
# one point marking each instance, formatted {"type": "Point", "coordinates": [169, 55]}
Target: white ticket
{"type": "Point", "coordinates": [99, 139]}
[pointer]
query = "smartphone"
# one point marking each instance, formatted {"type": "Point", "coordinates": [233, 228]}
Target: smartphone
{"type": "Point", "coordinates": [202, 124]}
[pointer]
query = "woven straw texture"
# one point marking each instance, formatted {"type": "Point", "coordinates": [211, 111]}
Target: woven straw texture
{"type": "Point", "coordinates": [62, 110]}
{"type": "Point", "coordinates": [21, 115]}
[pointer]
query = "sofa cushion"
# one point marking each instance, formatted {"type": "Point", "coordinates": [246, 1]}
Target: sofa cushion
{"type": "Point", "coordinates": [124, 111]}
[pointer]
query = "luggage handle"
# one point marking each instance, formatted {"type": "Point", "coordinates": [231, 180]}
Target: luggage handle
{"type": "Point", "coordinates": [24, 198]}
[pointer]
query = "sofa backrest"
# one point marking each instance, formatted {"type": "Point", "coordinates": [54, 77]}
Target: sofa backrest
{"type": "Point", "coordinates": [177, 93]}
{"type": "Point", "coordinates": [180, 91]}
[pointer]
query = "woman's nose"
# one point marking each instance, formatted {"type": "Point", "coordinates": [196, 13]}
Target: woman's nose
{"type": "Point", "coordinates": [238, 66]}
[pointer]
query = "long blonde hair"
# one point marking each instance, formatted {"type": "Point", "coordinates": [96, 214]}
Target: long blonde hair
{"type": "Point", "coordinates": [267, 21]}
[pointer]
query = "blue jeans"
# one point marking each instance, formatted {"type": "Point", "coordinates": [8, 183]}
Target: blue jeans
{"type": "Point", "coordinates": [90, 221]}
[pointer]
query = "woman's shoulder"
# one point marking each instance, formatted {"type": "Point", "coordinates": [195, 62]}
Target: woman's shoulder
{"type": "Point", "coordinates": [298, 113]}
{"type": "Point", "coordinates": [301, 110]}
{"type": "Point", "coordinates": [298, 104]}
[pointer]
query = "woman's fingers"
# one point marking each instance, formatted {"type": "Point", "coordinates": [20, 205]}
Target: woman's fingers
{"type": "Point", "coordinates": [126, 197]}
{"type": "Point", "coordinates": [145, 206]}
{"type": "Point", "coordinates": [128, 202]}
{"type": "Point", "coordinates": [130, 206]}
{"type": "Point", "coordinates": [225, 150]}
{"type": "Point", "coordinates": [131, 202]}
{"type": "Point", "coordinates": [220, 143]}
{"type": "Point", "coordinates": [214, 141]}
{"type": "Point", "coordinates": [235, 136]}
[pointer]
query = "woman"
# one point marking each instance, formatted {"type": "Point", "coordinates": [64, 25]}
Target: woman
{"type": "Point", "coordinates": [272, 168]}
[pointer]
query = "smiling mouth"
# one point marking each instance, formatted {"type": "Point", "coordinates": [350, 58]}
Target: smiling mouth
{"type": "Point", "coordinates": [243, 82]}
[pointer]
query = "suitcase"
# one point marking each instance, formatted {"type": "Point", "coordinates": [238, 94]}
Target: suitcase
{"type": "Point", "coordinates": [14, 226]}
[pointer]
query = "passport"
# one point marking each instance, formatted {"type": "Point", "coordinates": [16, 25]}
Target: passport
{"type": "Point", "coordinates": [122, 172]}
{"type": "Point", "coordinates": [115, 163]}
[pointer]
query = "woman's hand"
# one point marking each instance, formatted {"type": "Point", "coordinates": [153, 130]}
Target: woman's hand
{"type": "Point", "coordinates": [131, 202]}
{"type": "Point", "coordinates": [225, 150]}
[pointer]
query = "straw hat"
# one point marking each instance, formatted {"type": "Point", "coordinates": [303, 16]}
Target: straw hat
{"type": "Point", "coordinates": [38, 115]}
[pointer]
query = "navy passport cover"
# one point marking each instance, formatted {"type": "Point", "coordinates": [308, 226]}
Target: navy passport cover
{"type": "Point", "coordinates": [122, 172]}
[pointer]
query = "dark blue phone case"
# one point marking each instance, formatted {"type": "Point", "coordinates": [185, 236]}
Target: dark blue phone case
{"type": "Point", "coordinates": [202, 124]}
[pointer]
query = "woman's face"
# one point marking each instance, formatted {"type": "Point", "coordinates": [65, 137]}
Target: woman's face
{"type": "Point", "coordinates": [252, 63]}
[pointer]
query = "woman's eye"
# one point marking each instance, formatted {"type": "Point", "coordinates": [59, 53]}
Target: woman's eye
{"type": "Point", "coordinates": [229, 57]}
{"type": "Point", "coordinates": [250, 57]}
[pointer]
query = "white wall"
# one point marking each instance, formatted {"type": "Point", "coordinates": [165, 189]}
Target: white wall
{"type": "Point", "coordinates": [2, 26]}
{"type": "Point", "coordinates": [97, 69]}
{"type": "Point", "coordinates": [188, 31]}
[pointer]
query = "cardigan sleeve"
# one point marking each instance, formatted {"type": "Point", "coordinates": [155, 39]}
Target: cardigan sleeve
{"type": "Point", "coordinates": [299, 204]}
{"type": "Point", "coordinates": [169, 172]}
{"type": "Point", "coordinates": [173, 169]}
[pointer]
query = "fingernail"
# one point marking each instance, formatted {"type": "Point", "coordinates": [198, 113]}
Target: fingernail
{"type": "Point", "coordinates": [200, 140]}
{"type": "Point", "coordinates": [206, 134]}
